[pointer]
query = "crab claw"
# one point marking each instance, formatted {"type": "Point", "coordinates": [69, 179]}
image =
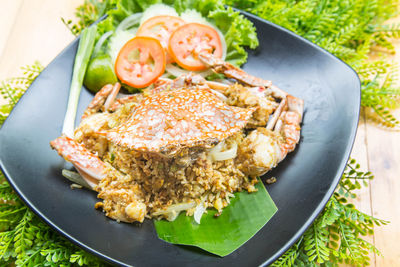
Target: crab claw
{"type": "Point", "coordinates": [264, 148]}
{"type": "Point", "coordinates": [231, 71]}
{"type": "Point", "coordinates": [259, 152]}
{"type": "Point", "coordinates": [89, 166]}
{"type": "Point", "coordinates": [103, 100]}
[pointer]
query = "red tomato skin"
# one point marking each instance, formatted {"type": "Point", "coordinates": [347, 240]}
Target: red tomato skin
{"type": "Point", "coordinates": [148, 45]}
{"type": "Point", "coordinates": [170, 24]}
{"type": "Point", "coordinates": [176, 45]}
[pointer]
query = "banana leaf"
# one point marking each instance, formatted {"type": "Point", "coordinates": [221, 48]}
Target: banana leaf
{"type": "Point", "coordinates": [242, 219]}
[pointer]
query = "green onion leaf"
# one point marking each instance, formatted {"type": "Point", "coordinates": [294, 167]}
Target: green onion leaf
{"type": "Point", "coordinates": [242, 219]}
{"type": "Point", "coordinates": [86, 44]}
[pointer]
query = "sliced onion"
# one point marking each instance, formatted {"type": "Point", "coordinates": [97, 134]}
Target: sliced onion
{"type": "Point", "coordinates": [172, 216]}
{"type": "Point", "coordinates": [158, 10]}
{"type": "Point", "coordinates": [217, 148]}
{"type": "Point", "coordinates": [129, 22]}
{"type": "Point", "coordinates": [75, 178]}
{"type": "Point", "coordinates": [177, 71]}
{"type": "Point", "coordinates": [165, 75]}
{"type": "Point", "coordinates": [173, 211]}
{"type": "Point", "coordinates": [204, 73]}
{"type": "Point", "coordinates": [218, 155]}
{"type": "Point", "coordinates": [101, 41]}
{"type": "Point", "coordinates": [220, 95]}
{"type": "Point", "coordinates": [199, 211]}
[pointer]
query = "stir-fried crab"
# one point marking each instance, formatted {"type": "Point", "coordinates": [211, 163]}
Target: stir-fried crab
{"type": "Point", "coordinates": [177, 125]}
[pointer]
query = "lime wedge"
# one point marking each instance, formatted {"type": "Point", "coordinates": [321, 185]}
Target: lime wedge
{"type": "Point", "coordinates": [99, 73]}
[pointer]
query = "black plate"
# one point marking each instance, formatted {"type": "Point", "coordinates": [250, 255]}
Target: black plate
{"type": "Point", "coordinates": [306, 178]}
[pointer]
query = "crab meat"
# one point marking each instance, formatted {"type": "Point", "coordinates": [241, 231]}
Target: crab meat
{"type": "Point", "coordinates": [249, 97]}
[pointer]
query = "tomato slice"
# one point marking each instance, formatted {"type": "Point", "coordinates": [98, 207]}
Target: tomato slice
{"type": "Point", "coordinates": [160, 28]}
{"type": "Point", "coordinates": [140, 62]}
{"type": "Point", "coordinates": [189, 40]}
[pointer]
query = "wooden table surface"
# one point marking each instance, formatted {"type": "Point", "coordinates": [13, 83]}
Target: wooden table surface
{"type": "Point", "coordinates": [32, 30]}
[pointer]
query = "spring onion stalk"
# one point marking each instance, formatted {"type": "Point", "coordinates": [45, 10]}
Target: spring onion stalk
{"type": "Point", "coordinates": [82, 57]}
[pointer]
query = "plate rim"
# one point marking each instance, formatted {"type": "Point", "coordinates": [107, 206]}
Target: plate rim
{"type": "Point", "coordinates": [299, 232]}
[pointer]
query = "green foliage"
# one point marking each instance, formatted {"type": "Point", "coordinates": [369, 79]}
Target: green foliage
{"type": "Point", "coordinates": [336, 235]}
{"type": "Point", "coordinates": [379, 93]}
{"type": "Point", "coordinates": [350, 29]}
{"type": "Point", "coordinates": [24, 239]}
{"type": "Point", "coordinates": [87, 13]}
{"type": "Point", "coordinates": [27, 241]}
{"type": "Point", "coordinates": [12, 89]}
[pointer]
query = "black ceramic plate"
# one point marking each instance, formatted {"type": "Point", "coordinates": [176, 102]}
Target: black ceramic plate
{"type": "Point", "coordinates": [306, 178]}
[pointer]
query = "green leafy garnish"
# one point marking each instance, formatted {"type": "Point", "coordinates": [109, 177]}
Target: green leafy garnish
{"type": "Point", "coordinates": [237, 30]}
{"type": "Point", "coordinates": [244, 217]}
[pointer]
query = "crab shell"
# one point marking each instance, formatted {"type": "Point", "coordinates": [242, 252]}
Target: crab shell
{"type": "Point", "coordinates": [168, 121]}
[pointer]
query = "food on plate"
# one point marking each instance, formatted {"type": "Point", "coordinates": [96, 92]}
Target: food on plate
{"type": "Point", "coordinates": [182, 143]}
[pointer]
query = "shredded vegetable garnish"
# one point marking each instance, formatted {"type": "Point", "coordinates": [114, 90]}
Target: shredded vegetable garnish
{"type": "Point", "coordinates": [173, 211]}
{"type": "Point", "coordinates": [129, 22]}
{"type": "Point", "coordinates": [100, 42]}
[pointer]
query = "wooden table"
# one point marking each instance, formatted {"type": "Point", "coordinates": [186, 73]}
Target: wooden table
{"type": "Point", "coordinates": [32, 30]}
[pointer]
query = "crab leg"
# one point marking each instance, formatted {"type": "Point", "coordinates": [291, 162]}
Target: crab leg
{"type": "Point", "coordinates": [103, 99]}
{"type": "Point", "coordinates": [111, 98]}
{"type": "Point", "coordinates": [220, 66]}
{"type": "Point", "coordinates": [271, 123]}
{"type": "Point", "coordinates": [124, 100]}
{"type": "Point", "coordinates": [89, 166]}
{"type": "Point", "coordinates": [93, 170]}
{"type": "Point", "coordinates": [264, 148]}
{"type": "Point", "coordinates": [288, 124]}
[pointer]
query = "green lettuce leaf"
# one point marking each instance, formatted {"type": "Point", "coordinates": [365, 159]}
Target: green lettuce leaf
{"type": "Point", "coordinates": [241, 220]}
{"type": "Point", "coordinates": [237, 30]}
